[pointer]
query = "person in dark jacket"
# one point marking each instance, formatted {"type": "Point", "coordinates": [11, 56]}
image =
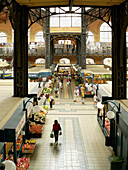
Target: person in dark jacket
{"type": "Point", "coordinates": [56, 129]}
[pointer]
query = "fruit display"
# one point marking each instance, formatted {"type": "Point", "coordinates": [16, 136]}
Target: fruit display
{"type": "Point", "coordinates": [36, 129]}
{"type": "Point", "coordinates": [28, 148]}
{"type": "Point", "coordinates": [45, 107]}
{"type": "Point", "coordinates": [46, 90]}
{"type": "Point", "coordinates": [39, 118]}
{"type": "Point", "coordinates": [23, 163]}
{"type": "Point", "coordinates": [30, 141]}
{"type": "Point", "coordinates": [19, 142]}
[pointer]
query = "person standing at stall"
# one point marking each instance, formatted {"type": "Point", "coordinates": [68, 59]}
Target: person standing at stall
{"type": "Point", "coordinates": [95, 99]}
{"type": "Point", "coordinates": [43, 100]}
{"type": "Point", "coordinates": [56, 129]}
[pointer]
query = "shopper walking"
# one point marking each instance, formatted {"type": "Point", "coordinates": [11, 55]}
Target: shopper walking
{"type": "Point", "coordinates": [51, 100]}
{"type": "Point", "coordinates": [68, 81]}
{"type": "Point", "coordinates": [60, 85]}
{"type": "Point", "coordinates": [75, 94]}
{"type": "Point", "coordinates": [56, 129]}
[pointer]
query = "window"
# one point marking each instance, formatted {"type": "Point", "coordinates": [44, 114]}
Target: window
{"type": "Point", "coordinates": [3, 37]}
{"type": "Point", "coordinates": [90, 37]}
{"type": "Point", "coordinates": [65, 22]}
{"type": "Point", "coordinates": [105, 33]}
{"type": "Point", "coordinates": [62, 19]}
{"type": "Point", "coordinates": [39, 37]}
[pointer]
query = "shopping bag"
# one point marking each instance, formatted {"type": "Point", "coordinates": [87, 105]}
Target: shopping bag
{"type": "Point", "coordinates": [60, 133]}
{"type": "Point", "coordinates": [53, 102]}
{"type": "Point", "coordinates": [51, 135]}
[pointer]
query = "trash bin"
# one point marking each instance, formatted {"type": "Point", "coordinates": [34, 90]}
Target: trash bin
{"type": "Point", "coordinates": [116, 162]}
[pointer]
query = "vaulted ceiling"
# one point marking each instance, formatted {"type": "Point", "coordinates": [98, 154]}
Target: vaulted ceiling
{"type": "Point", "coordinates": [49, 3]}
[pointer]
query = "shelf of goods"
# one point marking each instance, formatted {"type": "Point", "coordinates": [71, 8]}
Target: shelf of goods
{"type": "Point", "coordinates": [88, 77]}
{"type": "Point", "coordinates": [102, 78]}
{"type": "Point", "coordinates": [19, 142]}
{"type": "Point", "coordinates": [29, 146]}
{"type": "Point", "coordinates": [86, 93]}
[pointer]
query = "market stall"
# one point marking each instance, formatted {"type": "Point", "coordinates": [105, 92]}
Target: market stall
{"type": "Point", "coordinates": [13, 141]}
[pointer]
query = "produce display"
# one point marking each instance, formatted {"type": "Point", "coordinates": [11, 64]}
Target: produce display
{"type": "Point", "coordinates": [22, 163]}
{"type": "Point", "coordinates": [36, 129]}
{"type": "Point", "coordinates": [45, 107]}
{"type": "Point", "coordinates": [30, 141]}
{"type": "Point", "coordinates": [46, 90]}
{"type": "Point", "coordinates": [85, 91]}
{"type": "Point", "coordinates": [19, 142]}
{"type": "Point", "coordinates": [39, 118]}
{"type": "Point", "coordinates": [28, 148]}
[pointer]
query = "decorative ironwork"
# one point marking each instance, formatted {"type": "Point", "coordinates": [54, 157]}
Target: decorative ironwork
{"type": "Point", "coordinates": [36, 15]}
{"type": "Point", "coordinates": [18, 89]}
{"type": "Point", "coordinates": [93, 14]}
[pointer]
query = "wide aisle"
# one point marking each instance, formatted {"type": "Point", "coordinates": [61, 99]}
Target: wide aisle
{"type": "Point", "coordinates": [82, 145]}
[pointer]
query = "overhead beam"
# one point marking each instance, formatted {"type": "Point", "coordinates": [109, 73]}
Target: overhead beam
{"type": "Point", "coordinates": [49, 3]}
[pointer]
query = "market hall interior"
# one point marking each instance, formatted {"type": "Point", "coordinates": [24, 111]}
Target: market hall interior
{"type": "Point", "coordinates": [37, 38]}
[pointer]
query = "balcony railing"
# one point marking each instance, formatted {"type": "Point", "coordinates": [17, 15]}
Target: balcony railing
{"type": "Point", "coordinates": [39, 51]}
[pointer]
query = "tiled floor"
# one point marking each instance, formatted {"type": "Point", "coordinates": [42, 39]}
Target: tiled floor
{"type": "Point", "coordinates": [82, 145]}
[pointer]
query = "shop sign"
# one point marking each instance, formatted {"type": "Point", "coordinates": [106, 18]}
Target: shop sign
{"type": "Point", "coordinates": [29, 109]}
{"type": "Point", "coordinates": [20, 126]}
{"type": "Point", "coordinates": [33, 75]}
{"type": "Point", "coordinates": [7, 75]}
